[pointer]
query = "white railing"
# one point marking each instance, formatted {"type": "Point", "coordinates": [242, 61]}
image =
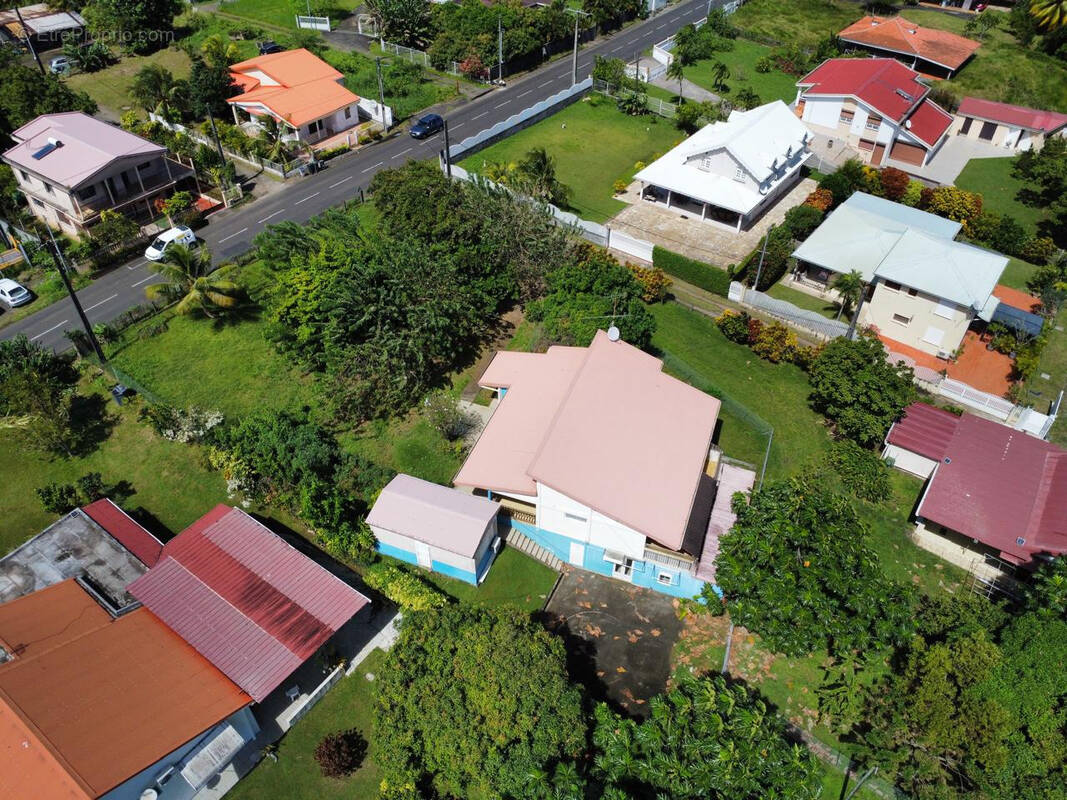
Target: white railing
{"type": "Point", "coordinates": [296, 713]}
{"type": "Point", "coordinates": [415, 56]}
{"type": "Point", "coordinates": [654, 104]}
{"type": "Point", "coordinates": [973, 398]}
{"type": "Point", "coordinates": [313, 23]}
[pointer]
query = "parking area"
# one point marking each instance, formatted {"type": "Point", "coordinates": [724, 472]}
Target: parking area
{"type": "Point", "coordinates": [619, 637]}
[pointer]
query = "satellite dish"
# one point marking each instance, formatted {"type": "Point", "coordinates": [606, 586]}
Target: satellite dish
{"type": "Point", "coordinates": [613, 333]}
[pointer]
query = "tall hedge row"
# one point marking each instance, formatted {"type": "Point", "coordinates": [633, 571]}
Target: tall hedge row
{"type": "Point", "coordinates": [698, 273]}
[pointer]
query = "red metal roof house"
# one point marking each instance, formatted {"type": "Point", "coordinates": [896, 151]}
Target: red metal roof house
{"type": "Point", "coordinates": [1004, 125]}
{"type": "Point", "coordinates": [991, 488]}
{"type": "Point", "coordinates": [877, 106]}
{"type": "Point", "coordinates": [250, 603]}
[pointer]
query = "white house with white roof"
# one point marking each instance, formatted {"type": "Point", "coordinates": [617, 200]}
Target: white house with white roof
{"type": "Point", "coordinates": [731, 172]}
{"type": "Point", "coordinates": [924, 289]}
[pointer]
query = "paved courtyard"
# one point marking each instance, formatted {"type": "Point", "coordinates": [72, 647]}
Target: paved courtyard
{"type": "Point", "coordinates": [619, 637]}
{"type": "Point", "coordinates": [684, 232]}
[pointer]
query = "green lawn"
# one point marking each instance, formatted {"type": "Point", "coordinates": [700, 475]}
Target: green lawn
{"type": "Point", "coordinates": [992, 178]}
{"type": "Point", "coordinates": [825, 307]}
{"type": "Point", "coordinates": [515, 579]}
{"type": "Point", "coordinates": [802, 22]}
{"type": "Point", "coordinates": [1054, 364]}
{"type": "Point", "coordinates": [776, 392]}
{"type": "Point", "coordinates": [1017, 273]}
{"type": "Point", "coordinates": [110, 87]}
{"type": "Point", "coordinates": [296, 776]}
{"type": "Point", "coordinates": [594, 145]}
{"type": "Point", "coordinates": [773, 85]}
{"type": "Point", "coordinates": [362, 78]}
{"type": "Point", "coordinates": [231, 368]}
{"type": "Point", "coordinates": [283, 12]}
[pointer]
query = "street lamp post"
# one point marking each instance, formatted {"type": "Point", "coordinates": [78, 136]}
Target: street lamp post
{"type": "Point", "coordinates": [578, 14]}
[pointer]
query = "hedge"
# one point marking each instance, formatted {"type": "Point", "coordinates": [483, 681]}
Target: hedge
{"type": "Point", "coordinates": [408, 591]}
{"type": "Point", "coordinates": [697, 273]}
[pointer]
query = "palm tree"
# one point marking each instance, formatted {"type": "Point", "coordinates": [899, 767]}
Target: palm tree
{"type": "Point", "coordinates": [503, 172]}
{"type": "Point", "coordinates": [1050, 14]}
{"type": "Point", "coordinates": [849, 286]}
{"type": "Point", "coordinates": [191, 282]}
{"type": "Point", "coordinates": [537, 173]}
{"type": "Point", "coordinates": [218, 52]}
{"type": "Point", "coordinates": [676, 71]}
{"type": "Point", "coordinates": [719, 73]}
{"type": "Point", "coordinates": [155, 89]}
{"type": "Point", "coordinates": [271, 131]}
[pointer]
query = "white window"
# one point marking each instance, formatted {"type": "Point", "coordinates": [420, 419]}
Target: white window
{"type": "Point", "coordinates": [665, 578]}
{"type": "Point", "coordinates": [348, 112]}
{"type": "Point", "coordinates": [873, 123]}
{"type": "Point", "coordinates": [933, 336]}
{"type": "Point", "coordinates": [739, 174]}
{"type": "Point", "coordinates": [846, 117]}
{"type": "Point", "coordinates": [705, 163]}
{"type": "Point", "coordinates": [945, 309]}
{"type": "Point", "coordinates": [575, 517]}
{"type": "Point", "coordinates": [901, 319]}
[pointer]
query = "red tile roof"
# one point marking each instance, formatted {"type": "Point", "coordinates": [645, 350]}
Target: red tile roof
{"type": "Point", "coordinates": [125, 530]}
{"type": "Point", "coordinates": [89, 701]}
{"type": "Point", "coordinates": [928, 122]}
{"type": "Point", "coordinates": [901, 36]}
{"type": "Point", "coordinates": [1001, 486]}
{"type": "Point", "coordinates": [1019, 116]}
{"type": "Point", "coordinates": [250, 603]}
{"type": "Point", "coordinates": [878, 82]}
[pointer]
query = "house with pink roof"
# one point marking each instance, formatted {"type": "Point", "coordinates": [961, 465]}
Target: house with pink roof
{"type": "Point", "coordinates": [72, 166]}
{"type": "Point", "coordinates": [598, 456]}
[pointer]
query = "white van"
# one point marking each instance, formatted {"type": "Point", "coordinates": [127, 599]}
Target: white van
{"type": "Point", "coordinates": [177, 235]}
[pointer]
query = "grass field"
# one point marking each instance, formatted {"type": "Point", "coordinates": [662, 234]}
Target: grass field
{"type": "Point", "coordinates": [594, 145]}
{"type": "Point", "coordinates": [515, 579]}
{"type": "Point", "coordinates": [361, 77]}
{"type": "Point", "coordinates": [1017, 273]}
{"type": "Point", "coordinates": [773, 85]}
{"type": "Point", "coordinates": [295, 775]}
{"type": "Point", "coordinates": [803, 22]}
{"type": "Point", "coordinates": [282, 13]}
{"type": "Point", "coordinates": [110, 87]}
{"type": "Point", "coordinates": [992, 178]}
{"type": "Point", "coordinates": [825, 307]}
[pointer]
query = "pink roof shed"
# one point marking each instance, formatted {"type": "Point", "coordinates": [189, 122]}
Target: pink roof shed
{"type": "Point", "coordinates": [603, 425]}
{"type": "Point", "coordinates": [437, 515]}
{"type": "Point", "coordinates": [86, 145]}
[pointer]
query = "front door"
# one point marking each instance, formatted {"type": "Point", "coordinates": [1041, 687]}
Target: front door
{"type": "Point", "coordinates": [577, 554]}
{"type": "Point", "coordinates": [422, 554]}
{"type": "Point", "coordinates": [877, 154]}
{"type": "Point", "coordinates": [623, 571]}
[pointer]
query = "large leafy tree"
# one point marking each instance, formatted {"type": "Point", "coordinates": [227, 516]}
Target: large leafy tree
{"type": "Point", "coordinates": [38, 396]}
{"type": "Point", "coordinates": [796, 568]}
{"type": "Point", "coordinates": [703, 740]}
{"type": "Point", "coordinates": [406, 22]}
{"type": "Point", "coordinates": [858, 390]}
{"type": "Point", "coordinates": [210, 85]}
{"type": "Point", "coordinates": [472, 701]}
{"type": "Point", "coordinates": [1045, 172]}
{"type": "Point", "coordinates": [136, 26]}
{"type": "Point", "coordinates": [25, 93]}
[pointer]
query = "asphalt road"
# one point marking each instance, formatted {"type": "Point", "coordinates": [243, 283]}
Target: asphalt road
{"type": "Point", "coordinates": [229, 233]}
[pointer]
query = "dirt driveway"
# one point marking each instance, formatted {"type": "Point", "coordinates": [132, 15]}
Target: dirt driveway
{"type": "Point", "coordinates": [619, 637]}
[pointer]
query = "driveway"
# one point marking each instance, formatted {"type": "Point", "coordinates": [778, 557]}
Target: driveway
{"type": "Point", "coordinates": [683, 231]}
{"type": "Point", "coordinates": [953, 156]}
{"type": "Point", "coordinates": [619, 637]}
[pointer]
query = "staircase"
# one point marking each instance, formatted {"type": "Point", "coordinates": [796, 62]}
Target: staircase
{"type": "Point", "coordinates": [527, 545]}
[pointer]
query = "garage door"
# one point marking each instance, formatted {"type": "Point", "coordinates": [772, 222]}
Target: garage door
{"type": "Point", "coordinates": [876, 156]}
{"type": "Point", "coordinates": [908, 153]}
{"type": "Point", "coordinates": [988, 129]}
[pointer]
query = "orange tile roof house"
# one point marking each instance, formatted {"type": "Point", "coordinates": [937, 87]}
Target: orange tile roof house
{"type": "Point", "coordinates": [96, 702]}
{"type": "Point", "coordinates": [299, 90]}
{"type": "Point", "coordinates": [925, 49]}
{"type": "Point", "coordinates": [606, 461]}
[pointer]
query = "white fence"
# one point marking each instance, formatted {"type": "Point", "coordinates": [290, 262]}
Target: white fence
{"type": "Point", "coordinates": [659, 107]}
{"type": "Point", "coordinates": [654, 6]}
{"type": "Point", "coordinates": [631, 245]}
{"type": "Point", "coordinates": [414, 56]}
{"type": "Point", "coordinates": [313, 23]}
{"type": "Point", "coordinates": [281, 170]}
{"type": "Point", "coordinates": [294, 715]}
{"type": "Point", "coordinates": [646, 74]}
{"type": "Point", "coordinates": [662, 50]}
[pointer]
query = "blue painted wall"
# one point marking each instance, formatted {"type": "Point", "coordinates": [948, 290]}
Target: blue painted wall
{"type": "Point", "coordinates": [644, 573]}
{"type": "Point", "coordinates": [437, 566]}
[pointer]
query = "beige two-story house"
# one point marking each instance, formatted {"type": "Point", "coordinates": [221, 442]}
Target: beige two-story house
{"type": "Point", "coordinates": [924, 289]}
{"type": "Point", "coordinates": [731, 172]}
{"type": "Point", "coordinates": [72, 166]}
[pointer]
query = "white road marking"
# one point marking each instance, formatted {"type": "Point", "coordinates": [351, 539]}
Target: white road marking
{"type": "Point", "coordinates": [106, 299]}
{"type": "Point", "coordinates": [138, 265]}
{"type": "Point", "coordinates": [143, 280]}
{"type": "Point", "coordinates": [42, 333]}
{"type": "Point", "coordinates": [546, 83]}
{"type": "Point", "coordinates": [270, 216]}
{"type": "Point", "coordinates": [501, 105]}
{"type": "Point", "coordinates": [225, 238]}
{"type": "Point", "coordinates": [480, 115]}
{"type": "Point", "coordinates": [525, 93]}
{"type": "Point", "coordinates": [302, 199]}
{"type": "Point", "coordinates": [404, 152]}
{"type": "Point", "coordinates": [379, 164]}
{"type": "Point", "coordinates": [332, 185]}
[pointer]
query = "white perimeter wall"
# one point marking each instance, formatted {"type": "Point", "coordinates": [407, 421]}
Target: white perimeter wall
{"type": "Point", "coordinates": [584, 524]}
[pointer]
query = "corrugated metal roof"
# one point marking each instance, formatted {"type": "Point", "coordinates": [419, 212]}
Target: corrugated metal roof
{"type": "Point", "coordinates": [1021, 116]}
{"type": "Point", "coordinates": [924, 430]}
{"type": "Point", "coordinates": [125, 530]}
{"type": "Point", "coordinates": [253, 605]}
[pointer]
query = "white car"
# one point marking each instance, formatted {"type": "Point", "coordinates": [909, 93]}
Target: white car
{"type": "Point", "coordinates": [177, 235]}
{"type": "Point", "coordinates": [14, 293]}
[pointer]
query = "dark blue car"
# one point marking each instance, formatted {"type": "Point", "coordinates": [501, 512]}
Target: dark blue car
{"type": "Point", "coordinates": [428, 126]}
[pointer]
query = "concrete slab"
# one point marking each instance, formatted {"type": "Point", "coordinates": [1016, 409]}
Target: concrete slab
{"type": "Point", "coordinates": [680, 229]}
{"type": "Point", "coordinates": [949, 161]}
{"type": "Point", "coordinates": [619, 637]}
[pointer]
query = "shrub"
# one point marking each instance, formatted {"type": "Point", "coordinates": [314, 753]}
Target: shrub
{"type": "Point", "coordinates": [447, 417]}
{"type": "Point", "coordinates": [802, 220]}
{"type": "Point", "coordinates": [775, 259]}
{"type": "Point", "coordinates": [706, 276]}
{"type": "Point", "coordinates": [983, 227]}
{"type": "Point", "coordinates": [872, 182]}
{"type": "Point", "coordinates": [185, 425]}
{"type": "Point", "coordinates": [755, 328]}
{"type": "Point", "coordinates": [1038, 250]}
{"type": "Point", "coordinates": [734, 325]}
{"type": "Point", "coordinates": [619, 186]}
{"type": "Point", "coordinates": [1009, 237]}
{"type": "Point", "coordinates": [775, 343]}
{"type": "Point", "coordinates": [894, 183]}
{"type": "Point", "coordinates": [862, 471]}
{"type": "Point", "coordinates": [654, 282]}
{"type": "Point", "coordinates": [333, 152]}
{"type": "Point", "coordinates": [912, 194]}
{"type": "Point", "coordinates": [804, 357]}
{"type": "Point", "coordinates": [764, 64]}
{"type": "Point", "coordinates": [820, 199]}
{"type": "Point", "coordinates": [954, 203]}
{"type": "Point", "coordinates": [58, 498]}
{"type": "Point", "coordinates": [408, 591]}
{"type": "Point", "coordinates": [340, 754]}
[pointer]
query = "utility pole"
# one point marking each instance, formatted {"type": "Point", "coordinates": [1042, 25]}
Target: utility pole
{"type": "Point", "coordinates": [500, 49]}
{"type": "Point", "coordinates": [29, 42]}
{"type": "Point", "coordinates": [215, 133]}
{"type": "Point", "coordinates": [763, 252]}
{"type": "Point", "coordinates": [57, 257]}
{"type": "Point", "coordinates": [574, 63]}
{"type": "Point", "coordinates": [381, 87]}
{"type": "Point", "coordinates": [448, 154]}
